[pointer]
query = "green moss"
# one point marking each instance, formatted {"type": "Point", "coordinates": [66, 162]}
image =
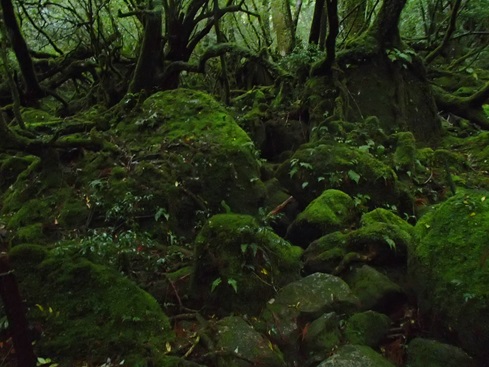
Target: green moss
{"type": "Point", "coordinates": [450, 269]}
{"type": "Point", "coordinates": [11, 167]}
{"type": "Point", "coordinates": [381, 215]}
{"type": "Point", "coordinates": [200, 151]}
{"type": "Point", "coordinates": [405, 153]}
{"type": "Point", "coordinates": [30, 233]}
{"type": "Point", "coordinates": [316, 167]}
{"type": "Point", "coordinates": [235, 249]}
{"type": "Point", "coordinates": [331, 211]}
{"type": "Point", "coordinates": [423, 352]}
{"type": "Point", "coordinates": [97, 313]}
{"type": "Point", "coordinates": [74, 212]}
{"type": "Point", "coordinates": [37, 118]}
{"type": "Point", "coordinates": [367, 328]}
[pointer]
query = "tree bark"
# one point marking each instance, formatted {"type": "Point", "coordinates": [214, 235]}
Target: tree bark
{"type": "Point", "coordinates": [283, 26]}
{"type": "Point", "coordinates": [150, 60]}
{"type": "Point", "coordinates": [469, 108]}
{"type": "Point", "coordinates": [14, 310]}
{"type": "Point", "coordinates": [33, 90]}
{"type": "Point", "coordinates": [386, 26]}
{"type": "Point", "coordinates": [316, 25]}
{"type": "Point", "coordinates": [451, 28]}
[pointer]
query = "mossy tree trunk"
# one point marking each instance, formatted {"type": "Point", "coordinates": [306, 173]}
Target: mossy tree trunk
{"type": "Point", "coordinates": [385, 28]}
{"type": "Point", "coordinates": [354, 16]}
{"type": "Point", "coordinates": [150, 56]}
{"type": "Point", "coordinates": [380, 77]}
{"type": "Point", "coordinates": [33, 90]}
{"type": "Point", "coordinates": [283, 26]}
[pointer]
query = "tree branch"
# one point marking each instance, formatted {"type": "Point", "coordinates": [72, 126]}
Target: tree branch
{"type": "Point", "coordinates": [451, 28]}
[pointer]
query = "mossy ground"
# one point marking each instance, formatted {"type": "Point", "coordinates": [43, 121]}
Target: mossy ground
{"type": "Point", "coordinates": [88, 312]}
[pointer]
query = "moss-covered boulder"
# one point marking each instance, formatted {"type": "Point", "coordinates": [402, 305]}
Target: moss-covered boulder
{"type": "Point", "coordinates": [321, 336]}
{"type": "Point", "coordinates": [304, 301]}
{"type": "Point", "coordinates": [356, 356]}
{"type": "Point", "coordinates": [239, 264]}
{"type": "Point", "coordinates": [367, 328]}
{"type": "Point", "coordinates": [450, 271]}
{"type": "Point", "coordinates": [383, 239]}
{"type": "Point", "coordinates": [88, 312]}
{"type": "Point", "coordinates": [424, 352]}
{"type": "Point", "coordinates": [331, 211]}
{"type": "Point", "coordinates": [199, 149]}
{"type": "Point", "coordinates": [317, 166]}
{"type": "Point", "coordinates": [374, 289]}
{"type": "Point", "coordinates": [240, 345]}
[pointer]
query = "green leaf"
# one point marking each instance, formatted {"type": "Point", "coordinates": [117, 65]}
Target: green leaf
{"type": "Point", "coordinates": [354, 176]}
{"type": "Point", "coordinates": [304, 184]}
{"type": "Point", "coordinates": [161, 213]}
{"type": "Point", "coordinates": [215, 283]}
{"type": "Point", "coordinates": [234, 284]}
{"type": "Point", "coordinates": [305, 165]}
{"type": "Point", "coordinates": [390, 242]}
{"type": "Point", "coordinates": [244, 247]}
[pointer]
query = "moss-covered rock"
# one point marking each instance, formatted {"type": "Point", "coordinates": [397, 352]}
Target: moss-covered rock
{"type": "Point", "coordinates": [322, 336]}
{"type": "Point", "coordinates": [315, 167]}
{"type": "Point", "coordinates": [235, 336]}
{"type": "Point", "coordinates": [89, 312]}
{"type": "Point", "coordinates": [383, 240]}
{"type": "Point", "coordinates": [424, 352]}
{"type": "Point", "coordinates": [374, 289]}
{"type": "Point", "coordinates": [367, 328]}
{"type": "Point", "coordinates": [197, 153]}
{"type": "Point", "coordinates": [331, 211]}
{"type": "Point", "coordinates": [239, 264]}
{"type": "Point", "coordinates": [302, 302]}
{"type": "Point", "coordinates": [450, 271]}
{"type": "Point", "coordinates": [356, 356]}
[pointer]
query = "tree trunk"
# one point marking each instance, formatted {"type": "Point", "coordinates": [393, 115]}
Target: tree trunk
{"type": "Point", "coordinates": [354, 17]}
{"type": "Point", "coordinates": [149, 64]}
{"type": "Point", "coordinates": [33, 90]}
{"type": "Point", "coordinates": [386, 26]}
{"type": "Point", "coordinates": [317, 22]}
{"type": "Point", "coordinates": [283, 26]}
{"type": "Point", "coordinates": [14, 309]}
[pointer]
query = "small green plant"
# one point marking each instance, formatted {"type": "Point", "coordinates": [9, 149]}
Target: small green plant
{"type": "Point", "coordinates": [390, 242]}
{"type": "Point", "coordinates": [218, 281]}
{"type": "Point", "coordinates": [296, 165]}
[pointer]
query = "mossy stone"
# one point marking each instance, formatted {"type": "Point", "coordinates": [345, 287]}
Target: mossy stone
{"type": "Point", "coordinates": [318, 166]}
{"type": "Point", "coordinates": [96, 311]}
{"type": "Point", "coordinates": [331, 211]}
{"type": "Point", "coordinates": [323, 335]}
{"type": "Point", "coordinates": [449, 269]}
{"type": "Point", "coordinates": [356, 356]}
{"type": "Point", "coordinates": [367, 328]}
{"type": "Point", "coordinates": [374, 289]}
{"type": "Point", "coordinates": [234, 335]}
{"type": "Point", "coordinates": [246, 260]}
{"type": "Point", "coordinates": [424, 352]}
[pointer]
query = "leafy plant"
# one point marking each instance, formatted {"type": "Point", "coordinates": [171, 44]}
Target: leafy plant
{"type": "Point", "coordinates": [218, 281]}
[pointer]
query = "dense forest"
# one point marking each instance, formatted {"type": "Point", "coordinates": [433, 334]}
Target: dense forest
{"type": "Point", "coordinates": [244, 183]}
